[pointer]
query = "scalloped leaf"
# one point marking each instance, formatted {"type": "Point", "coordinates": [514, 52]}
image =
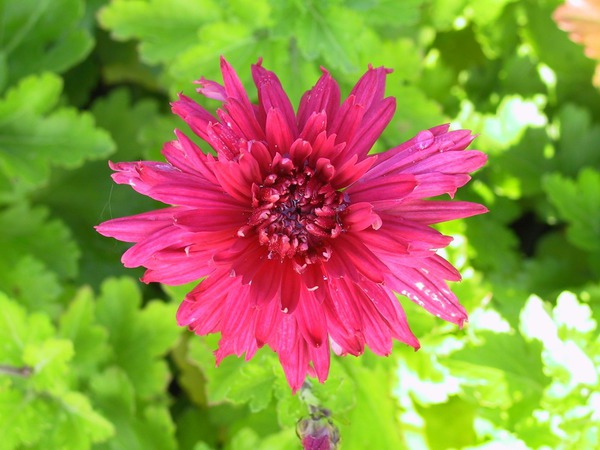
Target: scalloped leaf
{"type": "Point", "coordinates": [40, 35]}
{"type": "Point", "coordinates": [35, 135]}
{"type": "Point", "coordinates": [139, 337]}
{"type": "Point", "coordinates": [578, 203]}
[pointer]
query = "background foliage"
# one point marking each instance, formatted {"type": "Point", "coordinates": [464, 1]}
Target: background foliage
{"type": "Point", "coordinates": [91, 358]}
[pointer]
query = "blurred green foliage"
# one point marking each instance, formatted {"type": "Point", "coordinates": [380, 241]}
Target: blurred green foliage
{"type": "Point", "coordinates": [90, 358]}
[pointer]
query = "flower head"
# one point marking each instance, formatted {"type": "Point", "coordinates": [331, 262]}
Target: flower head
{"type": "Point", "coordinates": [317, 431]}
{"type": "Point", "coordinates": [301, 236]}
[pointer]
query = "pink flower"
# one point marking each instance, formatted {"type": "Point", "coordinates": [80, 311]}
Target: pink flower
{"type": "Point", "coordinates": [318, 432]}
{"type": "Point", "coordinates": [581, 19]}
{"type": "Point", "coordinates": [301, 236]}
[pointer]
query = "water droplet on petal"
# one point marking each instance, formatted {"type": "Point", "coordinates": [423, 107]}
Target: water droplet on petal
{"type": "Point", "coordinates": [424, 139]}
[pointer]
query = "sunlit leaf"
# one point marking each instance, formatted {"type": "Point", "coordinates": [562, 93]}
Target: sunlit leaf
{"type": "Point", "coordinates": [36, 134]}
{"type": "Point", "coordinates": [139, 338]}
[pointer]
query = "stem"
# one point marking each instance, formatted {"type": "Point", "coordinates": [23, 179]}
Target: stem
{"type": "Point", "coordinates": [24, 371]}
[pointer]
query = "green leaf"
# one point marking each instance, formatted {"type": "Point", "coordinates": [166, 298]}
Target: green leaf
{"type": "Point", "coordinates": [124, 119]}
{"type": "Point", "coordinates": [120, 64]}
{"type": "Point", "coordinates": [506, 127]}
{"type": "Point", "coordinates": [337, 394]}
{"type": "Point", "coordinates": [373, 422]}
{"type": "Point", "coordinates": [137, 427]}
{"type": "Point", "coordinates": [78, 324]}
{"type": "Point", "coordinates": [415, 112]}
{"type": "Point", "coordinates": [50, 363]}
{"type": "Point", "coordinates": [139, 337]}
{"type": "Point", "coordinates": [579, 143]}
{"type": "Point", "coordinates": [389, 14]}
{"type": "Point", "coordinates": [165, 28]}
{"type": "Point", "coordinates": [19, 330]}
{"type": "Point", "coordinates": [328, 33]}
{"type": "Point", "coordinates": [42, 295]}
{"type": "Point", "coordinates": [235, 380]}
{"type": "Point", "coordinates": [42, 35]}
{"type": "Point", "coordinates": [504, 371]}
{"type": "Point", "coordinates": [40, 397]}
{"type": "Point", "coordinates": [248, 439]}
{"type": "Point", "coordinates": [97, 199]}
{"type": "Point", "coordinates": [487, 13]}
{"type": "Point", "coordinates": [254, 385]}
{"type": "Point", "coordinates": [235, 41]}
{"type": "Point", "coordinates": [439, 435]}
{"type": "Point", "coordinates": [518, 172]}
{"type": "Point", "coordinates": [443, 13]}
{"type": "Point", "coordinates": [557, 264]}
{"type": "Point", "coordinates": [36, 135]}
{"type": "Point", "coordinates": [578, 203]}
{"type": "Point", "coordinates": [23, 421]}
{"type": "Point", "coordinates": [48, 241]}
{"type": "Point", "coordinates": [520, 75]}
{"type": "Point", "coordinates": [505, 259]}
{"type": "Point", "coordinates": [76, 425]}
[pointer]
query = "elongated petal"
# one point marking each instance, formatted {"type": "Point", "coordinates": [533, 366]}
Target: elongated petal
{"type": "Point", "coordinates": [323, 98]}
{"type": "Point", "coordinates": [137, 227]}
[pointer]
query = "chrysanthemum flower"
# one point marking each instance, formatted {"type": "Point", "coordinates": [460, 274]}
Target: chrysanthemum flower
{"type": "Point", "coordinates": [302, 238]}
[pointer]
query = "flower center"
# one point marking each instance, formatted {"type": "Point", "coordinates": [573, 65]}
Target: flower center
{"type": "Point", "coordinates": [295, 212]}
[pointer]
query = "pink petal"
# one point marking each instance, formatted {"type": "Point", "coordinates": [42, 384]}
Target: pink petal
{"type": "Point", "coordinates": [371, 86]}
{"type": "Point", "coordinates": [424, 145]}
{"type": "Point", "coordinates": [272, 96]}
{"type": "Point", "coordinates": [225, 142]}
{"type": "Point", "coordinates": [279, 134]}
{"type": "Point", "coordinates": [435, 183]}
{"type": "Point", "coordinates": [374, 122]}
{"type": "Point", "coordinates": [187, 157]}
{"type": "Point", "coordinates": [137, 227]}
{"type": "Point", "coordinates": [142, 251]}
{"type": "Point", "coordinates": [233, 86]}
{"type": "Point", "coordinates": [311, 319]}
{"type": "Point", "coordinates": [347, 121]}
{"type": "Point", "coordinates": [429, 292]}
{"type": "Point", "coordinates": [202, 308]}
{"type": "Point", "coordinates": [359, 216]}
{"type": "Point", "coordinates": [289, 290]}
{"type": "Point", "coordinates": [383, 302]}
{"type": "Point", "coordinates": [241, 119]}
{"type": "Point", "coordinates": [323, 97]}
{"type": "Point", "coordinates": [211, 89]}
{"type": "Point", "coordinates": [436, 211]}
{"type": "Point", "coordinates": [351, 171]}
{"type": "Point", "coordinates": [351, 249]}
{"type": "Point", "coordinates": [292, 351]}
{"type": "Point", "coordinates": [219, 219]}
{"type": "Point", "coordinates": [320, 360]}
{"type": "Point", "coordinates": [384, 190]}
{"type": "Point", "coordinates": [194, 115]}
{"type": "Point", "coordinates": [268, 320]}
{"type": "Point", "coordinates": [314, 126]}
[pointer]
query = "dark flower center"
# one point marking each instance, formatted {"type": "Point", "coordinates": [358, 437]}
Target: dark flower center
{"type": "Point", "coordinates": [296, 211]}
